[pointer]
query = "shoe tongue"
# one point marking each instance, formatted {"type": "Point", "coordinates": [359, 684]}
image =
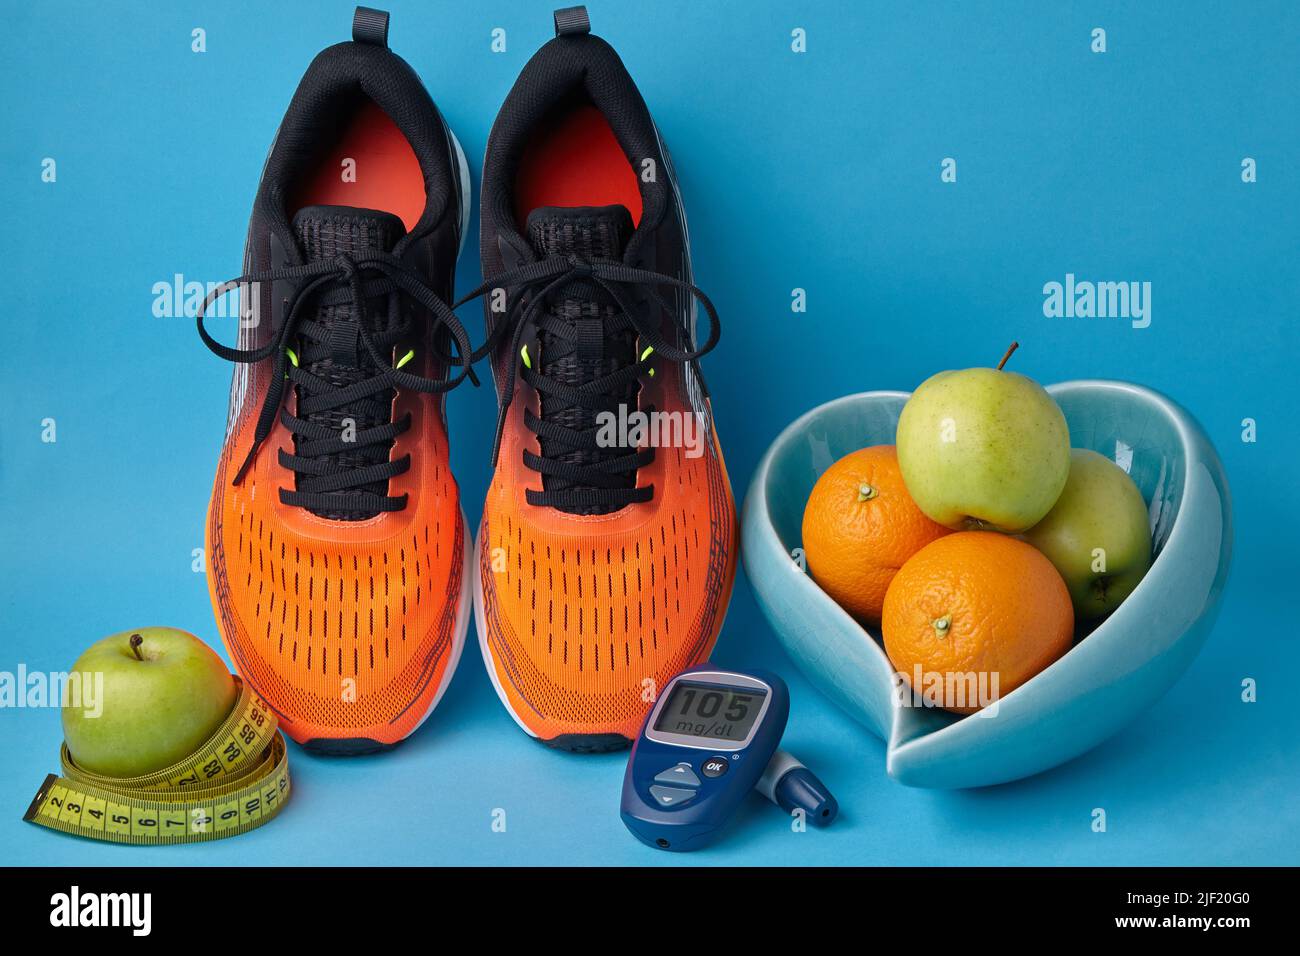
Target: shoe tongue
{"type": "Point", "coordinates": [327, 231]}
{"type": "Point", "coordinates": [592, 232]}
{"type": "Point", "coordinates": [324, 232]}
{"type": "Point", "coordinates": [599, 232]}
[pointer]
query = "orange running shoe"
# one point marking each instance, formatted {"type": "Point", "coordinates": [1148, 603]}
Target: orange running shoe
{"type": "Point", "coordinates": [608, 544]}
{"type": "Point", "coordinates": [337, 558]}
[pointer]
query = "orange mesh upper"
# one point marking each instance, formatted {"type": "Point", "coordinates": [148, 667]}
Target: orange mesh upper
{"type": "Point", "coordinates": [587, 616]}
{"type": "Point", "coordinates": [345, 627]}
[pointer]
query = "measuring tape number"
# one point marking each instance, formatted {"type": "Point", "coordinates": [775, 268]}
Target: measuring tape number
{"type": "Point", "coordinates": [235, 782]}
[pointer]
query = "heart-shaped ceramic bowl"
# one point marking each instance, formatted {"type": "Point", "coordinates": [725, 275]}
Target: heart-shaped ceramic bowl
{"type": "Point", "coordinates": [1103, 682]}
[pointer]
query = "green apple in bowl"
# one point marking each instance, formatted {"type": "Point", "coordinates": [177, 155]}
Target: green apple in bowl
{"type": "Point", "coordinates": [163, 693]}
{"type": "Point", "coordinates": [983, 449]}
{"type": "Point", "coordinates": [1097, 535]}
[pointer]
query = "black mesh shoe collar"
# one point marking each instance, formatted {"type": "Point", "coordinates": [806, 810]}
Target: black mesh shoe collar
{"type": "Point", "coordinates": [340, 79]}
{"type": "Point", "coordinates": [577, 67]}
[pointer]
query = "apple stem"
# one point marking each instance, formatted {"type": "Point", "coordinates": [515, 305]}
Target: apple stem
{"type": "Point", "coordinates": [1014, 346]}
{"type": "Point", "coordinates": [136, 641]}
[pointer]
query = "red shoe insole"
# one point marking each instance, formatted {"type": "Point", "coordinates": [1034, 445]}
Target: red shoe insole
{"type": "Point", "coordinates": [388, 176]}
{"type": "Point", "coordinates": [575, 161]}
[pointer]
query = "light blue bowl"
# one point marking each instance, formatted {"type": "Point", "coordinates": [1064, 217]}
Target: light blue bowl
{"type": "Point", "coordinates": [1102, 683]}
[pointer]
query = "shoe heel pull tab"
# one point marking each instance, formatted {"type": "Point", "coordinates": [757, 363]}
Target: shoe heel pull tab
{"type": "Point", "coordinates": [370, 26]}
{"type": "Point", "coordinates": [572, 21]}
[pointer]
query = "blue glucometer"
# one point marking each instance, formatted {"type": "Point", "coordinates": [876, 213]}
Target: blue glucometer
{"type": "Point", "coordinates": [710, 739]}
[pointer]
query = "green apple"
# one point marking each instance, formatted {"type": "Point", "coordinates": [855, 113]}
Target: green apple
{"type": "Point", "coordinates": [164, 692]}
{"type": "Point", "coordinates": [983, 449]}
{"type": "Point", "coordinates": [1097, 535]}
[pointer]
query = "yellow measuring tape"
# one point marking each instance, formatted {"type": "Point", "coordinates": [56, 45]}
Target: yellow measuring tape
{"type": "Point", "coordinates": [235, 782]}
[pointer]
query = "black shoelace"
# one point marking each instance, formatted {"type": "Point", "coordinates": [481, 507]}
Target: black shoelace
{"type": "Point", "coordinates": [599, 483]}
{"type": "Point", "coordinates": [352, 280]}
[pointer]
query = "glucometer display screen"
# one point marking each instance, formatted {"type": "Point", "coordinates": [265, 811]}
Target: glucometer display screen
{"type": "Point", "coordinates": [707, 710]}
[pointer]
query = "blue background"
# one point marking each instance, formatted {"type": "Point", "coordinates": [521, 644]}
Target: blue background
{"type": "Point", "coordinates": [818, 171]}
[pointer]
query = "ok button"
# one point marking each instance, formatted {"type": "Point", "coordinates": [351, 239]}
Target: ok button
{"type": "Point", "coordinates": [715, 766]}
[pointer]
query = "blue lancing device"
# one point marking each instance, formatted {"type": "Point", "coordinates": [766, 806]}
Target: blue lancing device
{"type": "Point", "coordinates": [711, 738]}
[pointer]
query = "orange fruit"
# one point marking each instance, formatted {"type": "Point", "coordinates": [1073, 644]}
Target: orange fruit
{"type": "Point", "coordinates": [860, 525]}
{"type": "Point", "coordinates": [981, 603]}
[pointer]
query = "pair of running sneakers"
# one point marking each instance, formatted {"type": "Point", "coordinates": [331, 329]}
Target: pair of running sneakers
{"type": "Point", "coordinates": [338, 560]}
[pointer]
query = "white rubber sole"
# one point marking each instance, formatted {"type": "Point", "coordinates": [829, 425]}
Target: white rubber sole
{"type": "Point", "coordinates": [466, 192]}
{"type": "Point", "coordinates": [479, 619]}
{"type": "Point", "coordinates": [463, 604]}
